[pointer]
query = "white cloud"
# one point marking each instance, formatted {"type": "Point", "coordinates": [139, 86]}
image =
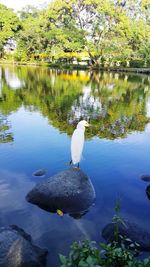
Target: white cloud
{"type": "Point", "coordinates": [17, 5]}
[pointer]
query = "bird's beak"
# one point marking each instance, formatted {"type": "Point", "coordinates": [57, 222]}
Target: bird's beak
{"type": "Point", "coordinates": [88, 125]}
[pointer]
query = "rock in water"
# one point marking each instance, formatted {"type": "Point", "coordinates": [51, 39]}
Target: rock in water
{"type": "Point", "coordinates": [148, 191]}
{"type": "Point", "coordinates": [17, 250]}
{"type": "Point", "coordinates": [146, 177]}
{"type": "Point", "coordinates": [129, 230]}
{"type": "Point", "coordinates": [39, 173]}
{"type": "Point", "coordinates": [70, 191]}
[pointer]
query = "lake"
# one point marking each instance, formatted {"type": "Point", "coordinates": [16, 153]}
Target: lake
{"type": "Point", "coordinates": [39, 110]}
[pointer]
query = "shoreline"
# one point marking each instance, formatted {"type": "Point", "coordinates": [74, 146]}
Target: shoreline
{"type": "Point", "coordinates": [77, 67]}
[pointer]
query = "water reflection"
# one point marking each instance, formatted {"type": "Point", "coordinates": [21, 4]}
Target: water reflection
{"type": "Point", "coordinates": [116, 104]}
{"type": "Point", "coordinates": [6, 136]}
{"type": "Point", "coordinates": [12, 79]}
{"type": "Point", "coordinates": [87, 106]}
{"type": "Point", "coordinates": [13, 188]}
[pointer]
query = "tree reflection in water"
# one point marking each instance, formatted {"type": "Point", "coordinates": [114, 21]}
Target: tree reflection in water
{"type": "Point", "coordinates": [114, 103]}
{"type": "Point", "coordinates": [6, 136]}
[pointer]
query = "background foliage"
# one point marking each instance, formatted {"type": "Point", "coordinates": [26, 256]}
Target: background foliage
{"type": "Point", "coordinates": [101, 32]}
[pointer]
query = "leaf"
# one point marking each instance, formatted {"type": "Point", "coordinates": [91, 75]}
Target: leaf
{"type": "Point", "coordinates": [89, 260]}
{"type": "Point", "coordinates": [82, 263]}
{"type": "Point", "coordinates": [138, 245]}
{"type": "Point", "coordinates": [147, 261]}
{"type": "Point", "coordinates": [60, 213]}
{"type": "Point", "coordinates": [128, 240]}
{"type": "Point", "coordinates": [132, 246]}
{"type": "Point", "coordinates": [63, 259]}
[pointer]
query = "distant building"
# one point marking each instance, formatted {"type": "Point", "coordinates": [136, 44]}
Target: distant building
{"type": "Point", "coordinates": [10, 46]}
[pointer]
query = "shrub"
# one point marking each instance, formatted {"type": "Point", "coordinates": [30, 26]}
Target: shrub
{"type": "Point", "coordinates": [137, 63]}
{"type": "Point", "coordinates": [86, 254]}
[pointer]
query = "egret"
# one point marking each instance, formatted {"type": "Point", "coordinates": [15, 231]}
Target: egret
{"type": "Point", "coordinates": [77, 142]}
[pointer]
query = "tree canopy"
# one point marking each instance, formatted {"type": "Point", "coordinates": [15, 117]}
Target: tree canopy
{"type": "Point", "coordinates": [102, 31]}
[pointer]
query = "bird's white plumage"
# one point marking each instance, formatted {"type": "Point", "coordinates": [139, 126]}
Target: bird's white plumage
{"type": "Point", "coordinates": [77, 142]}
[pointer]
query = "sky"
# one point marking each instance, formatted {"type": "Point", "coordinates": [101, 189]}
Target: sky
{"type": "Point", "coordinates": [17, 4]}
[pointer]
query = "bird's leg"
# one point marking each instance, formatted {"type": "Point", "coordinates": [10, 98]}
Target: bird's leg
{"type": "Point", "coordinates": [69, 163]}
{"type": "Point", "coordinates": [78, 165]}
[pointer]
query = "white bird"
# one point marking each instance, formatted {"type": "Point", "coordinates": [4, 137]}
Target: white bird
{"type": "Point", "coordinates": [77, 142]}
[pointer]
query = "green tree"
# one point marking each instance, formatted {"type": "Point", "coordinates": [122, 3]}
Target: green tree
{"type": "Point", "coordinates": [105, 31]}
{"type": "Point", "coordinates": [109, 29]}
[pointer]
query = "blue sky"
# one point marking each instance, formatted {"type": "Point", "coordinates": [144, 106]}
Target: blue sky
{"type": "Point", "coordinates": [17, 5]}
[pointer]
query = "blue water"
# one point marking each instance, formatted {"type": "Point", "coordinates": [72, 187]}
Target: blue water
{"type": "Point", "coordinates": [36, 106]}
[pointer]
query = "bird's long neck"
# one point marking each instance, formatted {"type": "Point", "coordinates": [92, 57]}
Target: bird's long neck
{"type": "Point", "coordinates": [81, 127]}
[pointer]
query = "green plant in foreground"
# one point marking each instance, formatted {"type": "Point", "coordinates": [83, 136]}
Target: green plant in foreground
{"type": "Point", "coordinates": [121, 252]}
{"type": "Point", "coordinates": [116, 220]}
{"type": "Point", "coordinates": [86, 254]}
{"type": "Point", "coordinates": [82, 254]}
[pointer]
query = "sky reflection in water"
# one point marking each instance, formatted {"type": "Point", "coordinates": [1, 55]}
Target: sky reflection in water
{"type": "Point", "coordinates": [39, 109]}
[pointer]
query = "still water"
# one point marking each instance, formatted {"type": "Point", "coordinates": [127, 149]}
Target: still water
{"type": "Point", "coordinates": [39, 109]}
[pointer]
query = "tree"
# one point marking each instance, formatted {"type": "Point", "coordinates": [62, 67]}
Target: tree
{"type": "Point", "coordinates": [106, 31]}
{"type": "Point", "coordinates": [107, 27]}
{"type": "Point", "coordinates": [27, 12]}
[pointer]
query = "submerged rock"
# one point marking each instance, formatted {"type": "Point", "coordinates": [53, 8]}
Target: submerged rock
{"type": "Point", "coordinates": [40, 172]}
{"type": "Point", "coordinates": [129, 230]}
{"type": "Point", "coordinates": [17, 250]}
{"type": "Point", "coordinates": [146, 177]}
{"type": "Point", "coordinates": [70, 191]}
{"type": "Point", "coordinates": [148, 191]}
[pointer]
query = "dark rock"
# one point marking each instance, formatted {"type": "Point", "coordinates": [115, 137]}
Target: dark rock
{"type": "Point", "coordinates": [40, 173]}
{"type": "Point", "coordinates": [17, 250]}
{"type": "Point", "coordinates": [129, 230]}
{"type": "Point", "coordinates": [146, 177]}
{"type": "Point", "coordinates": [148, 191]}
{"type": "Point", "coordinates": [70, 191]}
